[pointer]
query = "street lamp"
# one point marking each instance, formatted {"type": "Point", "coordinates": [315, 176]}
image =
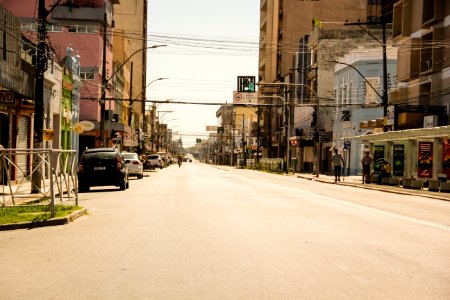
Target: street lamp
{"type": "Point", "coordinates": [158, 137]}
{"type": "Point", "coordinates": [105, 81]}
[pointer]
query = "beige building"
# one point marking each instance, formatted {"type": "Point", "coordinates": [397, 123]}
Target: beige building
{"type": "Point", "coordinates": [422, 32]}
{"type": "Point", "coordinates": [130, 20]}
{"type": "Point", "coordinates": [419, 108]}
{"type": "Point", "coordinates": [284, 23]}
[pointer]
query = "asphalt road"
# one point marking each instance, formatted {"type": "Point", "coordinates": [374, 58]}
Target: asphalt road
{"type": "Point", "coordinates": [202, 232]}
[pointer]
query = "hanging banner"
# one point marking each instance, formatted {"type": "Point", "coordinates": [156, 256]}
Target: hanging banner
{"type": "Point", "coordinates": [446, 158]}
{"type": "Point", "coordinates": [425, 162]}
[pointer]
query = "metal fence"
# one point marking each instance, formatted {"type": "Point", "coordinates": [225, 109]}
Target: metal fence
{"type": "Point", "coordinates": [270, 164]}
{"type": "Point", "coordinates": [27, 175]}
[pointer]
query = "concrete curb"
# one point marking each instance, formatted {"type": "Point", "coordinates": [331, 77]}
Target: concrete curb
{"type": "Point", "coordinates": [377, 188]}
{"type": "Point", "coordinates": [51, 222]}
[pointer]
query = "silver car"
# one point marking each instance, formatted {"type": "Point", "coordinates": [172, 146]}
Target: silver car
{"type": "Point", "coordinates": [156, 160]}
{"type": "Point", "coordinates": [135, 167]}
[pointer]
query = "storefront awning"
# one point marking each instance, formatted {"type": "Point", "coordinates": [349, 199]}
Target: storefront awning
{"type": "Point", "coordinates": [409, 134]}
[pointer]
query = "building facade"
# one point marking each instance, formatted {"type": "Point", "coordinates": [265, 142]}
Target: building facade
{"type": "Point", "coordinates": [418, 108]}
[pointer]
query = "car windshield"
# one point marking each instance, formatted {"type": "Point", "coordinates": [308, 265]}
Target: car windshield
{"type": "Point", "coordinates": [98, 155]}
{"type": "Point", "coordinates": [130, 156]}
{"type": "Point", "coordinates": [153, 157]}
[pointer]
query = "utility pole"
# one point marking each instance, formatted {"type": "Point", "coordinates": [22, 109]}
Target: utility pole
{"type": "Point", "coordinates": [130, 109]}
{"type": "Point", "coordinates": [258, 135]}
{"type": "Point", "coordinates": [103, 88]}
{"type": "Point", "coordinates": [382, 22]}
{"type": "Point", "coordinates": [40, 68]}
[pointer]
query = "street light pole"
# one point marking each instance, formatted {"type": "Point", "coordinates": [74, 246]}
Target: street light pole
{"type": "Point", "coordinates": [106, 80]}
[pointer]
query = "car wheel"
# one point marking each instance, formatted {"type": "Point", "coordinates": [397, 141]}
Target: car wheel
{"type": "Point", "coordinates": [83, 188]}
{"type": "Point", "coordinates": [123, 186]}
{"type": "Point", "coordinates": [127, 185]}
{"type": "Point", "coordinates": [140, 176]}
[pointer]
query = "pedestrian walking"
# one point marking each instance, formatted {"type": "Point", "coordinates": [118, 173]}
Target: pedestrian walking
{"type": "Point", "coordinates": [366, 162]}
{"type": "Point", "coordinates": [337, 160]}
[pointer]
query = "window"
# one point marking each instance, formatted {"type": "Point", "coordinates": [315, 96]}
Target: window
{"type": "Point", "coordinates": [28, 27]}
{"type": "Point", "coordinates": [372, 96]}
{"type": "Point", "coordinates": [87, 75]}
{"type": "Point", "coordinates": [82, 29]}
{"type": "Point", "coordinates": [54, 28]}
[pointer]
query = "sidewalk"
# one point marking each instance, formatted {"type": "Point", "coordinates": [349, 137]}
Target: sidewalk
{"type": "Point", "coordinates": [356, 181]}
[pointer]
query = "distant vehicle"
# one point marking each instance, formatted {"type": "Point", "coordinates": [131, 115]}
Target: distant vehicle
{"type": "Point", "coordinates": [164, 157]}
{"type": "Point", "coordinates": [135, 167]}
{"type": "Point", "coordinates": [102, 167]}
{"type": "Point", "coordinates": [156, 160]}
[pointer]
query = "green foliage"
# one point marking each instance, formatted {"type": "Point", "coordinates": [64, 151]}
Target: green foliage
{"type": "Point", "coordinates": [17, 214]}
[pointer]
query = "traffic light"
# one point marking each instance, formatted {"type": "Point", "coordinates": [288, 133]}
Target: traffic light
{"type": "Point", "coordinates": [198, 141]}
{"type": "Point", "coordinates": [220, 130]}
{"type": "Point", "coordinates": [246, 84]}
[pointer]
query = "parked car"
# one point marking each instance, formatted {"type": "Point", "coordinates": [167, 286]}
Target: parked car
{"type": "Point", "coordinates": [156, 160]}
{"type": "Point", "coordinates": [135, 167]}
{"type": "Point", "coordinates": [146, 163]}
{"type": "Point", "coordinates": [102, 167]}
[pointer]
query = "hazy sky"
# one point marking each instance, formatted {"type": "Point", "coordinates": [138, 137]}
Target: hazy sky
{"type": "Point", "coordinates": [209, 43]}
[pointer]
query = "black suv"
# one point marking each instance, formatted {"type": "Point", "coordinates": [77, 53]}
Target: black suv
{"type": "Point", "coordinates": [101, 167]}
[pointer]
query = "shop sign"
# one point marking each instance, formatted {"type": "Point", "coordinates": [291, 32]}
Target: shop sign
{"type": "Point", "coordinates": [6, 97]}
{"type": "Point", "coordinates": [390, 115]}
{"type": "Point", "coordinates": [7, 102]}
{"type": "Point", "coordinates": [425, 162]}
{"type": "Point", "coordinates": [27, 107]}
{"type": "Point", "coordinates": [130, 140]}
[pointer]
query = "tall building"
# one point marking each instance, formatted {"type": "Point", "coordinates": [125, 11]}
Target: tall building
{"type": "Point", "coordinates": [130, 26]}
{"type": "Point", "coordinates": [418, 111]}
{"type": "Point", "coordinates": [283, 25]}
{"type": "Point", "coordinates": [284, 22]}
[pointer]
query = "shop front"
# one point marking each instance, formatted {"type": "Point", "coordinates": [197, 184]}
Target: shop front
{"type": "Point", "coordinates": [414, 153]}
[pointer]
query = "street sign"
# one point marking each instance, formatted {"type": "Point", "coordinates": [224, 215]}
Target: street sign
{"type": "Point", "coordinates": [130, 140]}
{"type": "Point", "coordinates": [245, 98]}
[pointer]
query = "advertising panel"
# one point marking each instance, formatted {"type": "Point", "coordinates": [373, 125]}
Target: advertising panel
{"type": "Point", "coordinates": [425, 162]}
{"type": "Point", "coordinates": [446, 158]}
{"type": "Point", "coordinates": [378, 158]}
{"type": "Point", "coordinates": [399, 160]}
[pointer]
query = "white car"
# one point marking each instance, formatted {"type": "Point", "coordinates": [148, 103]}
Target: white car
{"type": "Point", "coordinates": [135, 167]}
{"type": "Point", "coordinates": [156, 160]}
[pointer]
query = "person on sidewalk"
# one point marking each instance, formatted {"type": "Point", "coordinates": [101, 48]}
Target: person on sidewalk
{"type": "Point", "coordinates": [385, 171]}
{"type": "Point", "coordinates": [366, 162]}
{"type": "Point", "coordinates": [337, 159]}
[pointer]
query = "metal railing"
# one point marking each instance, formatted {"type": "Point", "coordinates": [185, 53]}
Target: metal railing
{"type": "Point", "coordinates": [269, 164]}
{"type": "Point", "coordinates": [58, 176]}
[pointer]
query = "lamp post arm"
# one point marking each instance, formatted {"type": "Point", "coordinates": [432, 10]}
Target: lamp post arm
{"type": "Point", "coordinates": [129, 57]}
